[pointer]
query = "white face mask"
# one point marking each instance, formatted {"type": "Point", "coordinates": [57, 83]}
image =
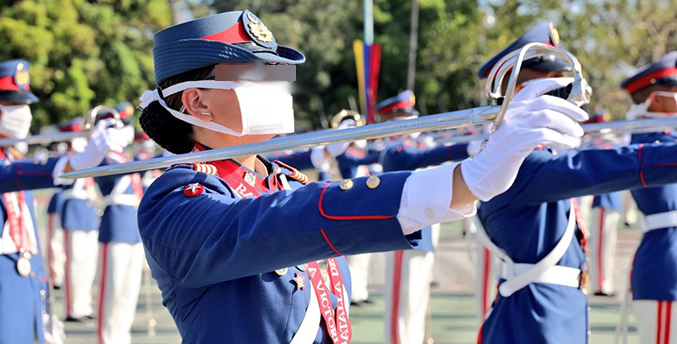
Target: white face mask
{"type": "Point", "coordinates": [638, 110]}
{"type": "Point", "coordinates": [15, 121]}
{"type": "Point", "coordinates": [266, 107]}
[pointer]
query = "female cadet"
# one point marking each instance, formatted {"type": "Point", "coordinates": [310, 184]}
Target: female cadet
{"type": "Point", "coordinates": [234, 245]}
{"type": "Point", "coordinates": [21, 273]}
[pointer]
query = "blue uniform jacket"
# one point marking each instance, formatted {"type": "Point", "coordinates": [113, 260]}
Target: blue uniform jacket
{"type": "Point", "coordinates": [654, 269]}
{"type": "Point", "coordinates": [214, 255]}
{"type": "Point", "coordinates": [55, 203]}
{"type": "Point", "coordinates": [529, 219]}
{"type": "Point", "coordinates": [612, 201]}
{"type": "Point", "coordinates": [406, 156]}
{"type": "Point", "coordinates": [352, 158]}
{"type": "Point", "coordinates": [21, 303]}
{"type": "Point", "coordinates": [78, 214]}
{"type": "Point", "coordinates": [118, 222]}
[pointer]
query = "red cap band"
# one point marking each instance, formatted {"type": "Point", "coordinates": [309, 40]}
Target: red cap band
{"type": "Point", "coordinates": [233, 34]}
{"type": "Point", "coordinates": [648, 80]}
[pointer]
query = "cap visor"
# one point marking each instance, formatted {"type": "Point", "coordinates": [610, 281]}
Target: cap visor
{"type": "Point", "coordinates": [18, 97]}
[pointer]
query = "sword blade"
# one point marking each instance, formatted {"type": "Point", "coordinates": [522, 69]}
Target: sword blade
{"type": "Point", "coordinates": [441, 121]}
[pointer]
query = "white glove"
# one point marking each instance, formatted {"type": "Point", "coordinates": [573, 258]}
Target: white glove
{"type": "Point", "coordinates": [336, 149]}
{"type": "Point", "coordinates": [319, 159]}
{"type": "Point", "coordinates": [103, 140]}
{"type": "Point", "coordinates": [531, 120]}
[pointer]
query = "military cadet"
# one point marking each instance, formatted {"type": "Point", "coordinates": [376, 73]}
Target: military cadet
{"type": "Point", "coordinates": [654, 270]}
{"type": "Point", "coordinates": [354, 163]}
{"type": "Point", "coordinates": [121, 251]}
{"type": "Point", "coordinates": [409, 272]}
{"type": "Point", "coordinates": [605, 217]}
{"type": "Point", "coordinates": [533, 228]}
{"type": "Point", "coordinates": [234, 250]}
{"type": "Point", "coordinates": [56, 255]}
{"type": "Point", "coordinates": [22, 277]}
{"type": "Point", "coordinates": [601, 222]}
{"type": "Point", "coordinates": [80, 222]}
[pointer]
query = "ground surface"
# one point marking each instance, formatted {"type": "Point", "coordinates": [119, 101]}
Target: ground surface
{"type": "Point", "coordinates": [453, 308]}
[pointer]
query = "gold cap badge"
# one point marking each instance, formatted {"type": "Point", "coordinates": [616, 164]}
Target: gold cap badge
{"type": "Point", "coordinates": [258, 29]}
{"type": "Point", "coordinates": [554, 33]}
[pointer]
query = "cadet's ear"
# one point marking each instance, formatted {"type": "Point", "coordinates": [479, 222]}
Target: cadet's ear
{"type": "Point", "coordinates": [193, 101]}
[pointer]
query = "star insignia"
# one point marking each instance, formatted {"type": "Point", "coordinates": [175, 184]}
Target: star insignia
{"type": "Point", "coordinates": [300, 281]}
{"type": "Point", "coordinates": [193, 189]}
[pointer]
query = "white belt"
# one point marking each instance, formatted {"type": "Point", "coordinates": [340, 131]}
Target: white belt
{"type": "Point", "coordinates": [660, 220]}
{"type": "Point", "coordinates": [560, 275]}
{"type": "Point", "coordinates": [122, 199]}
{"type": "Point", "coordinates": [530, 273]}
{"type": "Point", "coordinates": [76, 194]}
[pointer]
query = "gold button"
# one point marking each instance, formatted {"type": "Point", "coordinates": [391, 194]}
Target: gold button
{"type": "Point", "coordinates": [373, 182]}
{"type": "Point", "coordinates": [657, 141]}
{"type": "Point", "coordinates": [346, 184]}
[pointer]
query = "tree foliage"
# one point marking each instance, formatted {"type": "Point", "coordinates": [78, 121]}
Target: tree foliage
{"type": "Point", "coordinates": [88, 52]}
{"type": "Point", "coordinates": [82, 53]}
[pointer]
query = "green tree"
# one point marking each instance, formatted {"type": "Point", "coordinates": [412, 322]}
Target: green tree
{"type": "Point", "coordinates": [82, 53]}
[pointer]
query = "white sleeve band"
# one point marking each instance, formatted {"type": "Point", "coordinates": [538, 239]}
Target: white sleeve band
{"type": "Point", "coordinates": [426, 197]}
{"type": "Point", "coordinates": [58, 171]}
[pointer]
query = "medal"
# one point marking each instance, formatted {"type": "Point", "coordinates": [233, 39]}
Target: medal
{"type": "Point", "coordinates": [281, 272]}
{"type": "Point", "coordinates": [23, 264]}
{"type": "Point", "coordinates": [301, 267]}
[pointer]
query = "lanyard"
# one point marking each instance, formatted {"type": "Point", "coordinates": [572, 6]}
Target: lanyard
{"type": "Point", "coordinates": [14, 202]}
{"type": "Point", "coordinates": [338, 324]}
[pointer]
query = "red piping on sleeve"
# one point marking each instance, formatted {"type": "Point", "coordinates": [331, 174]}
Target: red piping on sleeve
{"type": "Point", "coordinates": [331, 217]}
{"type": "Point", "coordinates": [329, 242]}
{"type": "Point", "coordinates": [639, 159]}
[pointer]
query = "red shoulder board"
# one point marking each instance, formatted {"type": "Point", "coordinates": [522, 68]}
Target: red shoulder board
{"type": "Point", "coordinates": [205, 168]}
{"type": "Point", "coordinates": [296, 175]}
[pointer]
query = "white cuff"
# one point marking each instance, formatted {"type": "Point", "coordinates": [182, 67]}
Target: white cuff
{"type": "Point", "coordinates": [58, 171]}
{"type": "Point", "coordinates": [426, 197]}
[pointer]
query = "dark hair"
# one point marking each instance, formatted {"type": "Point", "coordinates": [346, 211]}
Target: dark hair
{"type": "Point", "coordinates": [166, 130]}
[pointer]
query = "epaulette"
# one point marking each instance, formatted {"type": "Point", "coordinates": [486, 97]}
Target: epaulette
{"type": "Point", "coordinates": [296, 175]}
{"type": "Point", "coordinates": [205, 168]}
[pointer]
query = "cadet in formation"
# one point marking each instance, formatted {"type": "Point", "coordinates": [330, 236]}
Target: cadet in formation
{"type": "Point", "coordinates": [242, 251]}
{"type": "Point", "coordinates": [23, 281]}
{"type": "Point", "coordinates": [409, 272]}
{"type": "Point", "coordinates": [121, 251]}
{"type": "Point", "coordinates": [654, 269]}
{"type": "Point", "coordinates": [80, 222]}
{"type": "Point", "coordinates": [354, 163]}
{"type": "Point", "coordinates": [533, 227]}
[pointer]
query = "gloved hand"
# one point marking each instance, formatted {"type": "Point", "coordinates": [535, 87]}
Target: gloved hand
{"type": "Point", "coordinates": [531, 120]}
{"type": "Point", "coordinates": [336, 149]}
{"type": "Point", "coordinates": [103, 140]}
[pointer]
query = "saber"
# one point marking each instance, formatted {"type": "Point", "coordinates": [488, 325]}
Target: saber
{"type": "Point", "coordinates": [580, 92]}
{"type": "Point", "coordinates": [87, 128]}
{"type": "Point", "coordinates": [637, 126]}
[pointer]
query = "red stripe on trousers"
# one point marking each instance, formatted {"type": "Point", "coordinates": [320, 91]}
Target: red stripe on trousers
{"type": "Point", "coordinates": [600, 270]}
{"type": "Point", "coordinates": [104, 266]}
{"type": "Point", "coordinates": [67, 274]}
{"type": "Point", "coordinates": [668, 315]}
{"type": "Point", "coordinates": [50, 237]}
{"type": "Point", "coordinates": [397, 280]}
{"type": "Point", "coordinates": [659, 322]}
{"type": "Point", "coordinates": [485, 280]}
